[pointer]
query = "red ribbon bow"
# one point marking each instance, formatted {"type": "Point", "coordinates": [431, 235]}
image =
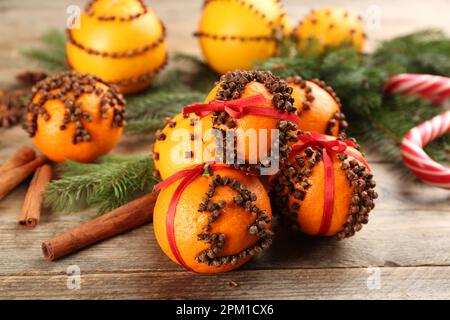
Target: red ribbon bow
{"type": "Point", "coordinates": [238, 108]}
{"type": "Point", "coordinates": [187, 176]}
{"type": "Point", "coordinates": [329, 147]}
{"type": "Point", "coordinates": [332, 146]}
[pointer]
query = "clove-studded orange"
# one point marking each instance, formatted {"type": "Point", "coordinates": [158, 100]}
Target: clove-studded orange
{"type": "Point", "coordinates": [214, 222]}
{"type": "Point", "coordinates": [330, 27]}
{"type": "Point", "coordinates": [288, 27]}
{"type": "Point", "coordinates": [318, 106]}
{"type": "Point", "coordinates": [185, 140]}
{"type": "Point", "coordinates": [326, 188]}
{"type": "Point", "coordinates": [121, 41]}
{"type": "Point", "coordinates": [74, 116]}
{"type": "Point", "coordinates": [255, 132]}
{"type": "Point", "coordinates": [234, 34]}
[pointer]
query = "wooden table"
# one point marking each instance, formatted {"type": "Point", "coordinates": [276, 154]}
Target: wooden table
{"type": "Point", "coordinates": [403, 253]}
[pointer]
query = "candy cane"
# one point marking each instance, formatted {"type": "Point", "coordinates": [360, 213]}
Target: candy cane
{"type": "Point", "coordinates": [417, 160]}
{"type": "Point", "coordinates": [436, 89]}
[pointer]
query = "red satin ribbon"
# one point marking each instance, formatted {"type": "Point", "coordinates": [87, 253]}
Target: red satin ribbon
{"type": "Point", "coordinates": [238, 108]}
{"type": "Point", "coordinates": [187, 176]}
{"type": "Point", "coordinates": [329, 147]}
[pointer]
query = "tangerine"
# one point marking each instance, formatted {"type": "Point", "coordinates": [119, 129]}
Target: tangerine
{"type": "Point", "coordinates": [185, 140]}
{"type": "Point", "coordinates": [74, 116]}
{"type": "Point", "coordinates": [318, 106]}
{"type": "Point", "coordinates": [301, 189]}
{"type": "Point", "coordinates": [236, 34]}
{"type": "Point", "coordinates": [330, 27]}
{"type": "Point", "coordinates": [121, 41]}
{"type": "Point", "coordinates": [221, 220]}
{"type": "Point", "coordinates": [254, 132]}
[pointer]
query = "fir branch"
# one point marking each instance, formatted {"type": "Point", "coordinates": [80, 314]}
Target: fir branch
{"type": "Point", "coordinates": [195, 72]}
{"type": "Point", "coordinates": [173, 90]}
{"type": "Point", "coordinates": [52, 56]}
{"type": "Point", "coordinates": [384, 129]}
{"type": "Point", "coordinates": [147, 111]}
{"type": "Point", "coordinates": [357, 83]}
{"type": "Point", "coordinates": [169, 80]}
{"type": "Point", "coordinates": [108, 184]}
{"type": "Point", "coordinates": [425, 51]}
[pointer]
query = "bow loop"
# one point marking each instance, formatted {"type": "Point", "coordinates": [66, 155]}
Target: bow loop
{"type": "Point", "coordinates": [237, 108]}
{"type": "Point", "coordinates": [320, 141]}
{"type": "Point", "coordinates": [235, 112]}
{"type": "Point", "coordinates": [335, 146]}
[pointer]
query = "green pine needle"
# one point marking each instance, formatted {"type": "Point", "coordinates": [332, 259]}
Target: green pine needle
{"type": "Point", "coordinates": [146, 111]}
{"type": "Point", "coordinates": [52, 56]}
{"type": "Point", "coordinates": [195, 73]}
{"type": "Point", "coordinates": [108, 184]}
{"type": "Point", "coordinates": [384, 128]}
{"type": "Point", "coordinates": [425, 51]}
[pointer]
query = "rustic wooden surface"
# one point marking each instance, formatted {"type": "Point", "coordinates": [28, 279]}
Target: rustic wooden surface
{"type": "Point", "coordinates": [406, 244]}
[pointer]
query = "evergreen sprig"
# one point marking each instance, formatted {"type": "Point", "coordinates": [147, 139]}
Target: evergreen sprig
{"type": "Point", "coordinates": [147, 110]}
{"type": "Point", "coordinates": [145, 113]}
{"type": "Point", "coordinates": [52, 55]}
{"type": "Point", "coordinates": [426, 51]}
{"type": "Point", "coordinates": [108, 184]}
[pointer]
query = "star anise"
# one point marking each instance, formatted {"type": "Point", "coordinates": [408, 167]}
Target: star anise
{"type": "Point", "coordinates": [11, 107]}
{"type": "Point", "coordinates": [31, 77]}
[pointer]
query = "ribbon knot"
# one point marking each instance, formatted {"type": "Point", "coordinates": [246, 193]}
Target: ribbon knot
{"type": "Point", "coordinates": [331, 146]}
{"type": "Point", "coordinates": [235, 111]}
{"type": "Point", "coordinates": [237, 108]}
{"type": "Point", "coordinates": [335, 146]}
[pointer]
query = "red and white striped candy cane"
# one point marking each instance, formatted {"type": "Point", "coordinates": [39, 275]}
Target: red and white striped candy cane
{"type": "Point", "coordinates": [436, 89]}
{"type": "Point", "coordinates": [415, 157]}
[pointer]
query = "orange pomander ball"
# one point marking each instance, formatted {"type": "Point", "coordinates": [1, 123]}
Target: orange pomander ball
{"type": "Point", "coordinates": [318, 107]}
{"type": "Point", "coordinates": [236, 34]}
{"type": "Point", "coordinates": [74, 116]}
{"type": "Point", "coordinates": [326, 188]}
{"type": "Point", "coordinates": [185, 140]}
{"type": "Point", "coordinates": [329, 28]}
{"type": "Point", "coordinates": [245, 84]}
{"type": "Point", "coordinates": [287, 26]}
{"type": "Point", "coordinates": [121, 41]}
{"type": "Point", "coordinates": [220, 221]}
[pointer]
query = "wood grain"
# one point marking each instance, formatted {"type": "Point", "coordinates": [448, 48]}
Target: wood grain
{"type": "Point", "coordinates": [349, 283]}
{"type": "Point", "coordinates": [408, 236]}
{"type": "Point", "coordinates": [403, 240]}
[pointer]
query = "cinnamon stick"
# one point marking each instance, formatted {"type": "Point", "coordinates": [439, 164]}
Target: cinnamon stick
{"type": "Point", "coordinates": [120, 220]}
{"type": "Point", "coordinates": [12, 178]}
{"type": "Point", "coordinates": [19, 158]}
{"type": "Point", "coordinates": [32, 205]}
